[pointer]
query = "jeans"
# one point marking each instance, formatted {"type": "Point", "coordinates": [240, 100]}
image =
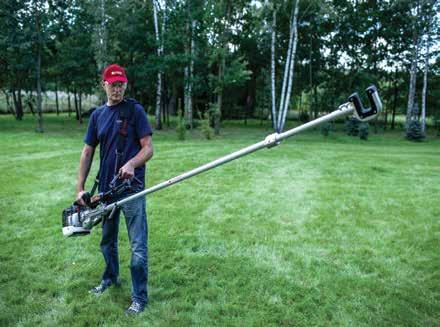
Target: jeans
{"type": "Point", "coordinates": [136, 221]}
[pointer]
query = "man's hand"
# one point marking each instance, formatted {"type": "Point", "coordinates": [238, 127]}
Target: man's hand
{"type": "Point", "coordinates": [126, 171]}
{"type": "Point", "coordinates": [145, 154]}
{"type": "Point", "coordinates": [79, 198]}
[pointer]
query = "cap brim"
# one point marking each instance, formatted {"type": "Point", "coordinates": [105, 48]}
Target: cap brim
{"type": "Point", "coordinates": [113, 79]}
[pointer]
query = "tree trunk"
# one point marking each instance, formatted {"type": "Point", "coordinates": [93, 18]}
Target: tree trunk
{"type": "Point", "coordinates": [80, 107]}
{"type": "Point", "coordinates": [29, 101]}
{"type": "Point", "coordinates": [425, 86]}
{"type": "Point", "coordinates": [285, 76]}
{"type": "Point", "coordinates": [412, 84]}
{"type": "Point", "coordinates": [75, 98]}
{"type": "Point", "coordinates": [186, 79]}
{"type": "Point", "coordinates": [311, 109]}
{"type": "Point", "coordinates": [14, 99]}
{"type": "Point", "coordinates": [218, 114]}
{"type": "Point", "coordinates": [163, 109]}
{"type": "Point", "coordinates": [166, 112]}
{"type": "Point", "coordinates": [385, 119]}
{"type": "Point", "coordinates": [56, 99]}
{"type": "Point", "coordinates": [39, 100]}
{"type": "Point", "coordinates": [190, 113]}
{"type": "Point", "coordinates": [315, 101]}
{"type": "Point", "coordinates": [19, 107]}
{"type": "Point", "coordinates": [16, 105]}
{"type": "Point", "coordinates": [273, 74]}
{"type": "Point", "coordinates": [294, 33]}
{"type": "Point", "coordinates": [8, 103]}
{"type": "Point", "coordinates": [172, 104]}
{"type": "Point", "coordinates": [69, 105]}
{"type": "Point", "coordinates": [101, 53]}
{"type": "Point", "coordinates": [413, 71]}
{"type": "Point", "coordinates": [159, 41]}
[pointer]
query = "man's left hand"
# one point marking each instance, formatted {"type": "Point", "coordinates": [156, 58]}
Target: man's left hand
{"type": "Point", "coordinates": [126, 171]}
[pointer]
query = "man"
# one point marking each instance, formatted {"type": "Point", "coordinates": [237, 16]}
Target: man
{"type": "Point", "coordinates": [107, 123]}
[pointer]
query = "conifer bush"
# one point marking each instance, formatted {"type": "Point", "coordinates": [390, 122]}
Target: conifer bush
{"type": "Point", "coordinates": [414, 131]}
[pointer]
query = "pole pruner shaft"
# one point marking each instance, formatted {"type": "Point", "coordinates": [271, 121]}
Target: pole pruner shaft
{"type": "Point", "coordinates": [354, 105]}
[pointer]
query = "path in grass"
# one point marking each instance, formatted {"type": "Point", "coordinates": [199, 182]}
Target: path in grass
{"type": "Point", "coordinates": [313, 232]}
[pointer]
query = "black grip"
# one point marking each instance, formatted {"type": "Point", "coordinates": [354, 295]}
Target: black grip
{"type": "Point", "coordinates": [373, 97]}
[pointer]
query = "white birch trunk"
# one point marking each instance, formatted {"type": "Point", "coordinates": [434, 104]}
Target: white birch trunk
{"type": "Point", "coordinates": [285, 77]}
{"type": "Point", "coordinates": [273, 73]}
{"type": "Point", "coordinates": [159, 74]}
{"type": "Point", "coordinates": [39, 100]}
{"type": "Point", "coordinates": [185, 91]}
{"type": "Point", "coordinates": [294, 39]}
{"type": "Point", "coordinates": [413, 71]}
{"type": "Point", "coordinates": [425, 85]}
{"type": "Point", "coordinates": [412, 82]}
{"type": "Point", "coordinates": [102, 39]}
{"type": "Point", "coordinates": [190, 79]}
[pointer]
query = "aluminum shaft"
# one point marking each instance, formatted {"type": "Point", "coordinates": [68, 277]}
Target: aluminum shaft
{"type": "Point", "coordinates": [270, 141]}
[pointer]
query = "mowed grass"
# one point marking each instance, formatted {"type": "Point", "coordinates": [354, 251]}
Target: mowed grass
{"type": "Point", "coordinates": [317, 231]}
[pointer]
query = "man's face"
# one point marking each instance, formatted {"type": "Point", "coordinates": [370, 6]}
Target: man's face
{"type": "Point", "coordinates": [115, 91]}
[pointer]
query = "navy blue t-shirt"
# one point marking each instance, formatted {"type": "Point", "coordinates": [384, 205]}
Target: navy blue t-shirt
{"type": "Point", "coordinates": [103, 129]}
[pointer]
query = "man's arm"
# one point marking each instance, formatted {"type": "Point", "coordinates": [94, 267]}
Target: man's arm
{"type": "Point", "coordinates": [85, 163]}
{"type": "Point", "coordinates": [144, 154]}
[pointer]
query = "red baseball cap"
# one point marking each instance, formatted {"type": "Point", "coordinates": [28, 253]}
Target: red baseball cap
{"type": "Point", "coordinates": [114, 73]}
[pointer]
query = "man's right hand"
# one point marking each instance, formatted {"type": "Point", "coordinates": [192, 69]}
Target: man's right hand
{"type": "Point", "coordinates": [79, 198]}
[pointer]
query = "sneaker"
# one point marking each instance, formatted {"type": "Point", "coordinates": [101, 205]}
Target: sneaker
{"type": "Point", "coordinates": [135, 308]}
{"type": "Point", "coordinates": [98, 290]}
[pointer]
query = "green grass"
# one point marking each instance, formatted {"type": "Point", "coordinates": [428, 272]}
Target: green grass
{"type": "Point", "coordinates": [317, 231]}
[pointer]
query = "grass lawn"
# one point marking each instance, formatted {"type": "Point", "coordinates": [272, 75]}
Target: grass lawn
{"type": "Point", "coordinates": [317, 231]}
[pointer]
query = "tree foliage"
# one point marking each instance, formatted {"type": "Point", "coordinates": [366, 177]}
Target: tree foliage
{"type": "Point", "coordinates": [343, 46]}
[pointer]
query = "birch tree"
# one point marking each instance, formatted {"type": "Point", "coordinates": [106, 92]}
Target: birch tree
{"type": "Point", "coordinates": [188, 75]}
{"type": "Point", "coordinates": [413, 71]}
{"type": "Point", "coordinates": [425, 86]}
{"type": "Point", "coordinates": [272, 65]}
{"type": "Point", "coordinates": [288, 69]}
{"type": "Point", "coordinates": [39, 41]}
{"type": "Point", "coordinates": [432, 22]}
{"type": "Point", "coordinates": [159, 41]}
{"type": "Point", "coordinates": [101, 42]}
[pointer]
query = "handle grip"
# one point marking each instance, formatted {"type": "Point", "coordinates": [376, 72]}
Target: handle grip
{"type": "Point", "coordinates": [86, 198]}
{"type": "Point", "coordinates": [365, 114]}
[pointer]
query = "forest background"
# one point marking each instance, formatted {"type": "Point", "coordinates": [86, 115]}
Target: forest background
{"type": "Point", "coordinates": [224, 59]}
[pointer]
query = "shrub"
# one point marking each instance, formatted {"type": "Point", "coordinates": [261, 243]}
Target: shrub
{"type": "Point", "coordinates": [213, 113]}
{"type": "Point", "coordinates": [181, 128]}
{"type": "Point", "coordinates": [304, 117]}
{"type": "Point", "coordinates": [436, 120]}
{"type": "Point", "coordinates": [207, 130]}
{"type": "Point", "coordinates": [196, 124]}
{"type": "Point", "coordinates": [364, 131]}
{"type": "Point", "coordinates": [352, 126]}
{"type": "Point", "coordinates": [326, 128]}
{"type": "Point", "coordinates": [414, 131]}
